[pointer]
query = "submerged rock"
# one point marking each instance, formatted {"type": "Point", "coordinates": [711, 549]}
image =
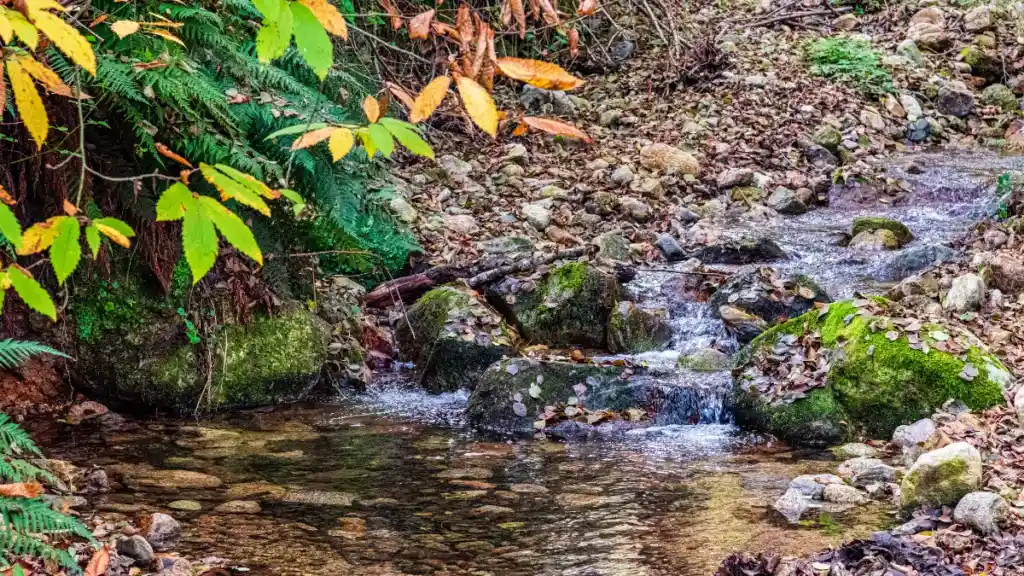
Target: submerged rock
{"type": "Point", "coordinates": [634, 329]}
{"type": "Point", "coordinates": [942, 477]}
{"type": "Point", "coordinates": [871, 224]}
{"type": "Point", "coordinates": [875, 377]}
{"type": "Point", "coordinates": [705, 360]}
{"type": "Point", "coordinates": [570, 306]}
{"type": "Point", "coordinates": [453, 336]}
{"type": "Point", "coordinates": [765, 293]}
{"type": "Point", "coordinates": [747, 251]}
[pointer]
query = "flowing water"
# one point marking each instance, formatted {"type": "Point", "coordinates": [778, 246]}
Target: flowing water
{"type": "Point", "coordinates": [392, 481]}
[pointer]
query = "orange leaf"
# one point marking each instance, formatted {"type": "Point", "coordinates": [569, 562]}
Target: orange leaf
{"type": "Point", "coordinates": [537, 73]}
{"type": "Point", "coordinates": [442, 29]}
{"type": "Point", "coordinates": [519, 13]}
{"type": "Point", "coordinates": [587, 7]}
{"type": "Point", "coordinates": [392, 10]}
{"type": "Point", "coordinates": [314, 137]}
{"type": "Point", "coordinates": [328, 16]}
{"type": "Point", "coordinates": [70, 209]}
{"type": "Point", "coordinates": [419, 26]}
{"type": "Point", "coordinates": [102, 18]}
{"type": "Point", "coordinates": [6, 197]}
{"type": "Point", "coordinates": [429, 99]}
{"type": "Point", "coordinates": [21, 490]}
{"type": "Point", "coordinates": [479, 105]}
{"type": "Point", "coordinates": [521, 129]}
{"type": "Point", "coordinates": [99, 563]}
{"type": "Point", "coordinates": [400, 93]}
{"type": "Point", "coordinates": [168, 153]}
{"type": "Point", "coordinates": [371, 108]}
{"type": "Point", "coordinates": [574, 42]}
{"type": "Point", "coordinates": [556, 127]}
{"type": "Point", "coordinates": [166, 36]}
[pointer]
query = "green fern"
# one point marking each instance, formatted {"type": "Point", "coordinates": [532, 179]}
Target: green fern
{"type": "Point", "coordinates": [14, 352]}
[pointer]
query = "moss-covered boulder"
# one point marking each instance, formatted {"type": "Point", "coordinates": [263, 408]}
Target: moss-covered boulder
{"type": "Point", "coordinates": [983, 63]}
{"type": "Point", "coordinates": [154, 366]}
{"type": "Point", "coordinates": [771, 296]}
{"type": "Point", "coordinates": [570, 306]}
{"type": "Point", "coordinates": [852, 369]}
{"type": "Point", "coordinates": [873, 223]}
{"type": "Point", "coordinates": [634, 329]}
{"type": "Point", "coordinates": [942, 477]}
{"type": "Point", "coordinates": [512, 394]}
{"type": "Point", "coordinates": [453, 336]}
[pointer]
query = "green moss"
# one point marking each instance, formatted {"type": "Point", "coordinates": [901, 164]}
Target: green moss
{"type": "Point", "coordinates": [571, 306]}
{"type": "Point", "coordinates": [632, 329]}
{"type": "Point", "coordinates": [817, 419]}
{"type": "Point", "coordinates": [872, 223]}
{"type": "Point", "coordinates": [943, 485]}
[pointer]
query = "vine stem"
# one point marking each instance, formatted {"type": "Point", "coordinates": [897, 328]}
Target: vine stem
{"type": "Point", "coordinates": [81, 136]}
{"type": "Point", "coordinates": [313, 112]}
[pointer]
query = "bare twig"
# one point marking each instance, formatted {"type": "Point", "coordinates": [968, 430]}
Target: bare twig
{"type": "Point", "coordinates": [796, 15]}
{"type": "Point", "coordinates": [388, 45]}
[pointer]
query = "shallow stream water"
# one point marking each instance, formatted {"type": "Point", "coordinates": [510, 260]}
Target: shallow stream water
{"type": "Point", "coordinates": [392, 481]}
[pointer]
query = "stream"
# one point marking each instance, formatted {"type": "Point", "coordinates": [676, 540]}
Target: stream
{"type": "Point", "coordinates": [392, 481]}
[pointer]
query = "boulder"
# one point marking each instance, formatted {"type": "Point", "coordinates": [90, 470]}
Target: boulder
{"type": "Point", "coordinates": [161, 531]}
{"type": "Point", "coordinates": [955, 102]}
{"type": "Point", "coordinates": [668, 159]}
{"type": "Point", "coordinates": [915, 259]}
{"type": "Point", "coordinates": [1007, 273]}
{"type": "Point", "coordinates": [632, 329]}
{"type": "Point", "coordinates": [570, 306]}
{"type": "Point", "coordinates": [927, 29]}
{"type": "Point", "coordinates": [792, 505]}
{"type": "Point", "coordinates": [871, 224]}
{"type": "Point", "coordinates": [942, 477]}
{"type": "Point", "coordinates": [1001, 97]}
{"type": "Point", "coordinates": [767, 294]}
{"type": "Point", "coordinates": [705, 360]}
{"type": "Point", "coordinates": [743, 251]}
{"type": "Point", "coordinates": [513, 393]}
{"type": "Point", "coordinates": [876, 376]}
{"type": "Point", "coordinates": [983, 511]}
{"type": "Point", "coordinates": [966, 293]}
{"type": "Point", "coordinates": [452, 337]}
{"type": "Point", "coordinates": [785, 201]}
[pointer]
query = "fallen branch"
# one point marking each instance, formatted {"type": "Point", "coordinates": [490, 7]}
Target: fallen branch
{"type": "Point", "coordinates": [796, 15]}
{"type": "Point", "coordinates": [525, 265]}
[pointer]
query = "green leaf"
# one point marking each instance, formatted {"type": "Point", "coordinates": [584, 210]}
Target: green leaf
{"type": "Point", "coordinates": [274, 37]}
{"type": "Point", "coordinates": [92, 238]}
{"type": "Point", "coordinates": [298, 202]}
{"type": "Point", "coordinates": [382, 139]}
{"type": "Point", "coordinates": [173, 203]}
{"type": "Point", "coordinates": [198, 241]}
{"type": "Point", "coordinates": [230, 188]}
{"type": "Point", "coordinates": [9, 226]}
{"type": "Point", "coordinates": [368, 143]}
{"type": "Point", "coordinates": [31, 293]}
{"type": "Point", "coordinates": [66, 250]}
{"type": "Point", "coordinates": [232, 228]}
{"type": "Point", "coordinates": [248, 181]}
{"type": "Point", "coordinates": [296, 129]}
{"type": "Point", "coordinates": [118, 225]}
{"type": "Point", "coordinates": [312, 41]}
{"type": "Point", "coordinates": [407, 136]}
{"type": "Point", "coordinates": [269, 9]}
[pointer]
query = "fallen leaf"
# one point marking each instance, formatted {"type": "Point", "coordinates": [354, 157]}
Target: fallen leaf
{"type": "Point", "coordinates": [479, 105]}
{"type": "Point", "coordinates": [99, 563]}
{"type": "Point", "coordinates": [587, 7]}
{"type": "Point", "coordinates": [419, 26]}
{"type": "Point", "coordinates": [124, 28]}
{"type": "Point", "coordinates": [21, 490]}
{"type": "Point", "coordinates": [538, 73]}
{"type": "Point", "coordinates": [429, 99]}
{"type": "Point", "coordinates": [556, 127]}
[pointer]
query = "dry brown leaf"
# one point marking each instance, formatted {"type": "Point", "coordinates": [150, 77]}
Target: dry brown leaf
{"type": "Point", "coordinates": [549, 13]}
{"type": "Point", "coordinates": [519, 14]}
{"type": "Point", "coordinates": [70, 209]}
{"type": "Point", "coordinates": [429, 99]}
{"type": "Point", "coordinates": [556, 127]}
{"type": "Point", "coordinates": [21, 490]}
{"type": "Point", "coordinates": [392, 10]}
{"type": "Point", "coordinates": [506, 13]}
{"type": "Point", "coordinates": [400, 93]}
{"type": "Point", "coordinates": [587, 7]}
{"type": "Point", "coordinates": [535, 9]}
{"type": "Point", "coordinates": [371, 108]}
{"type": "Point", "coordinates": [464, 24]}
{"type": "Point", "coordinates": [479, 105]}
{"type": "Point", "coordinates": [168, 153]}
{"type": "Point", "coordinates": [419, 26]}
{"type": "Point", "coordinates": [574, 43]}
{"type": "Point", "coordinates": [6, 197]}
{"type": "Point", "coordinates": [538, 73]}
{"type": "Point", "coordinates": [99, 563]}
{"type": "Point", "coordinates": [481, 47]}
{"type": "Point", "coordinates": [124, 28]}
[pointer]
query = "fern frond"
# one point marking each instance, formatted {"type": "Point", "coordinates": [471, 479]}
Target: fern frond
{"type": "Point", "coordinates": [14, 439]}
{"type": "Point", "coordinates": [14, 352]}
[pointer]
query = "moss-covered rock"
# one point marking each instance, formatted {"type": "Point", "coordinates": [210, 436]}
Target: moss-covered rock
{"type": "Point", "coordinates": [512, 393]}
{"type": "Point", "coordinates": [634, 329]}
{"type": "Point", "coordinates": [872, 223]}
{"type": "Point", "coordinates": [941, 477]}
{"type": "Point", "coordinates": [876, 379]}
{"type": "Point", "coordinates": [1000, 96]}
{"type": "Point", "coordinates": [771, 296]}
{"type": "Point", "coordinates": [452, 337]}
{"type": "Point", "coordinates": [983, 63]}
{"type": "Point", "coordinates": [571, 306]}
{"type": "Point", "coordinates": [705, 360]}
{"type": "Point", "coordinates": [880, 239]}
{"type": "Point", "coordinates": [828, 137]}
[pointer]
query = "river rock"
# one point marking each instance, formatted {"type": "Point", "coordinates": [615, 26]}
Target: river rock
{"type": "Point", "coordinates": [622, 176]}
{"type": "Point", "coordinates": [785, 201]}
{"type": "Point", "coordinates": [668, 159]}
{"type": "Point", "coordinates": [919, 130]}
{"type": "Point", "coordinates": [1007, 273]}
{"type": "Point", "coordinates": [978, 19]}
{"type": "Point", "coordinates": [983, 511]}
{"type": "Point", "coordinates": [913, 439]}
{"type": "Point", "coordinates": [843, 494]}
{"type": "Point", "coordinates": [1001, 97]}
{"type": "Point", "coordinates": [792, 505]}
{"type": "Point", "coordinates": [864, 471]}
{"type": "Point", "coordinates": [915, 259]}
{"type": "Point", "coordinates": [854, 450]}
{"type": "Point", "coordinates": [871, 224]}
{"type": "Point", "coordinates": [147, 479]}
{"type": "Point", "coordinates": [137, 548]}
{"type": "Point", "coordinates": [828, 137]}
{"type": "Point", "coordinates": [733, 177]}
{"type": "Point", "coordinates": [743, 325]}
{"type": "Point", "coordinates": [538, 213]}
{"type": "Point", "coordinates": [670, 248]}
{"type": "Point", "coordinates": [743, 251]}
{"type": "Point", "coordinates": [867, 389]}
{"type": "Point", "coordinates": [632, 329]}
{"type": "Point", "coordinates": [543, 101]}
{"type": "Point", "coordinates": [909, 50]}
{"type": "Point", "coordinates": [239, 507]}
{"type": "Point", "coordinates": [452, 337]}
{"type": "Point", "coordinates": [705, 360]}
{"type": "Point", "coordinates": [185, 506]}
{"type": "Point", "coordinates": [874, 240]}
{"type": "Point", "coordinates": [161, 531]}
{"type": "Point", "coordinates": [570, 306]}
{"type": "Point", "coordinates": [928, 29]}
{"type": "Point", "coordinates": [813, 485]}
{"type": "Point", "coordinates": [767, 294]}
{"type": "Point", "coordinates": [966, 293]}
{"type": "Point", "coordinates": [942, 477]}
{"type": "Point", "coordinates": [954, 102]}
{"type": "Point", "coordinates": [513, 393]}
{"type": "Point", "coordinates": [613, 246]}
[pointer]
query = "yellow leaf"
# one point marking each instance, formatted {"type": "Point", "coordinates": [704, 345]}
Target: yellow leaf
{"type": "Point", "coordinates": [327, 14]}
{"type": "Point", "coordinates": [429, 99]}
{"type": "Point", "coordinates": [371, 108]}
{"type": "Point", "coordinates": [478, 104]}
{"type": "Point", "coordinates": [67, 40]}
{"type": "Point", "coordinates": [6, 31]}
{"type": "Point", "coordinates": [23, 29]}
{"type": "Point", "coordinates": [419, 26]}
{"type": "Point", "coordinates": [40, 5]}
{"type": "Point", "coordinates": [114, 235]}
{"type": "Point", "coordinates": [313, 137]}
{"type": "Point", "coordinates": [124, 28]}
{"type": "Point", "coordinates": [537, 73]}
{"type": "Point", "coordinates": [39, 236]}
{"type": "Point", "coordinates": [48, 78]}
{"type": "Point", "coordinates": [28, 102]}
{"type": "Point", "coordinates": [556, 127]}
{"type": "Point", "coordinates": [341, 143]}
{"type": "Point", "coordinates": [166, 36]}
